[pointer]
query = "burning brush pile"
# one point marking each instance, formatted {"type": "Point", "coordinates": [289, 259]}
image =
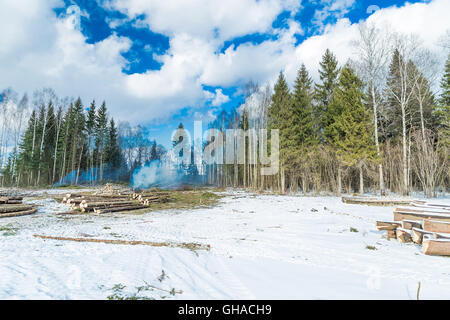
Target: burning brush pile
{"type": "Point", "coordinates": [12, 206]}
{"type": "Point", "coordinates": [110, 199]}
{"type": "Point", "coordinates": [424, 223]}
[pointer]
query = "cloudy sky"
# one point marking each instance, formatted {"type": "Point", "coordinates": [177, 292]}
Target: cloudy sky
{"type": "Point", "coordinates": [158, 61]}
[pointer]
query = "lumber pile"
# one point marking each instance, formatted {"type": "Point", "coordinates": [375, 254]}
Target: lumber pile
{"type": "Point", "coordinates": [423, 223]}
{"type": "Point", "coordinates": [12, 206]}
{"type": "Point", "coordinates": [375, 201]}
{"type": "Point", "coordinates": [111, 201]}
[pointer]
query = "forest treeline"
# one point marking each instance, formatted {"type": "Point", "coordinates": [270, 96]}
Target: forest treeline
{"type": "Point", "coordinates": [66, 142]}
{"type": "Point", "coordinates": [374, 123]}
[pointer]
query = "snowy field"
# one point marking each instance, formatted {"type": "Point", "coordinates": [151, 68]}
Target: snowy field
{"type": "Point", "coordinates": [262, 247]}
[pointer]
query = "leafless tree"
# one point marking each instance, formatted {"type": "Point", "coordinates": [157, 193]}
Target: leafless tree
{"type": "Point", "coordinates": [373, 54]}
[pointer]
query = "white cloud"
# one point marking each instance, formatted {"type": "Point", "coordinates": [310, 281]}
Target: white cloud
{"type": "Point", "coordinates": [38, 49]}
{"type": "Point", "coordinates": [219, 98]}
{"type": "Point", "coordinates": [207, 19]}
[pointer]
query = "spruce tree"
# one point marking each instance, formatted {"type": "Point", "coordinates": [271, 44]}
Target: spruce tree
{"type": "Point", "coordinates": [112, 147]}
{"type": "Point", "coordinates": [279, 103]}
{"type": "Point", "coordinates": [444, 110]}
{"type": "Point", "coordinates": [278, 113]}
{"type": "Point", "coordinates": [90, 132]}
{"type": "Point", "coordinates": [300, 137]}
{"type": "Point", "coordinates": [324, 91]}
{"type": "Point", "coordinates": [351, 131]}
{"type": "Point", "coordinates": [101, 123]}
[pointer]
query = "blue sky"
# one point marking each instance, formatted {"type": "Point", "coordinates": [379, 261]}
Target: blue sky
{"type": "Point", "coordinates": [146, 42]}
{"type": "Point", "coordinates": [159, 64]}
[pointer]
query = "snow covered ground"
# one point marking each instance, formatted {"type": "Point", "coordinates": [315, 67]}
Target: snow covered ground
{"type": "Point", "coordinates": [262, 247]}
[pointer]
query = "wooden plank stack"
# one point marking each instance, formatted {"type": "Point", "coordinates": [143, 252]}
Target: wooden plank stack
{"type": "Point", "coordinates": [424, 223]}
{"type": "Point", "coordinates": [12, 206]}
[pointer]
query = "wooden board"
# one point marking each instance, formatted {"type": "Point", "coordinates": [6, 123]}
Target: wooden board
{"type": "Point", "coordinates": [439, 235]}
{"type": "Point", "coordinates": [409, 224]}
{"type": "Point", "coordinates": [436, 226]}
{"type": "Point", "coordinates": [422, 210]}
{"type": "Point", "coordinates": [417, 235]}
{"type": "Point", "coordinates": [436, 247]}
{"type": "Point", "coordinates": [400, 216]}
{"type": "Point", "coordinates": [387, 225]}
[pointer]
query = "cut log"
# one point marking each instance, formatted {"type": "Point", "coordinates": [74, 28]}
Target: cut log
{"type": "Point", "coordinates": [15, 198]}
{"type": "Point", "coordinates": [14, 208]}
{"type": "Point", "coordinates": [105, 204]}
{"type": "Point", "coordinates": [19, 213]}
{"type": "Point", "coordinates": [14, 202]}
{"type": "Point", "coordinates": [409, 224]}
{"type": "Point", "coordinates": [399, 216]}
{"type": "Point", "coordinates": [68, 213]}
{"type": "Point", "coordinates": [191, 246]}
{"type": "Point", "coordinates": [403, 235]}
{"type": "Point", "coordinates": [417, 235]}
{"type": "Point", "coordinates": [436, 247]}
{"type": "Point", "coordinates": [436, 226]}
{"type": "Point", "coordinates": [119, 209]}
{"type": "Point", "coordinates": [387, 225]}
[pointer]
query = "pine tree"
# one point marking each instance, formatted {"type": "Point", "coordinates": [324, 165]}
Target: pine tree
{"type": "Point", "coordinates": [324, 92]}
{"type": "Point", "coordinates": [351, 131]}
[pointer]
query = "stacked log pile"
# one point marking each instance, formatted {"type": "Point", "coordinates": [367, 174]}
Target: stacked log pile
{"type": "Point", "coordinates": [110, 202]}
{"type": "Point", "coordinates": [12, 206]}
{"type": "Point", "coordinates": [373, 201]}
{"type": "Point", "coordinates": [423, 223]}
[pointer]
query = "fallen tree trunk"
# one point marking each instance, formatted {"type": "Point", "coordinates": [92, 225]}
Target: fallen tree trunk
{"type": "Point", "coordinates": [436, 226]}
{"type": "Point", "coordinates": [68, 213]}
{"type": "Point", "coordinates": [18, 213]}
{"type": "Point", "coordinates": [105, 204]}
{"type": "Point", "coordinates": [374, 201]}
{"type": "Point", "coordinates": [191, 246]}
{"type": "Point", "coordinates": [14, 208]}
{"type": "Point", "coordinates": [118, 209]}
